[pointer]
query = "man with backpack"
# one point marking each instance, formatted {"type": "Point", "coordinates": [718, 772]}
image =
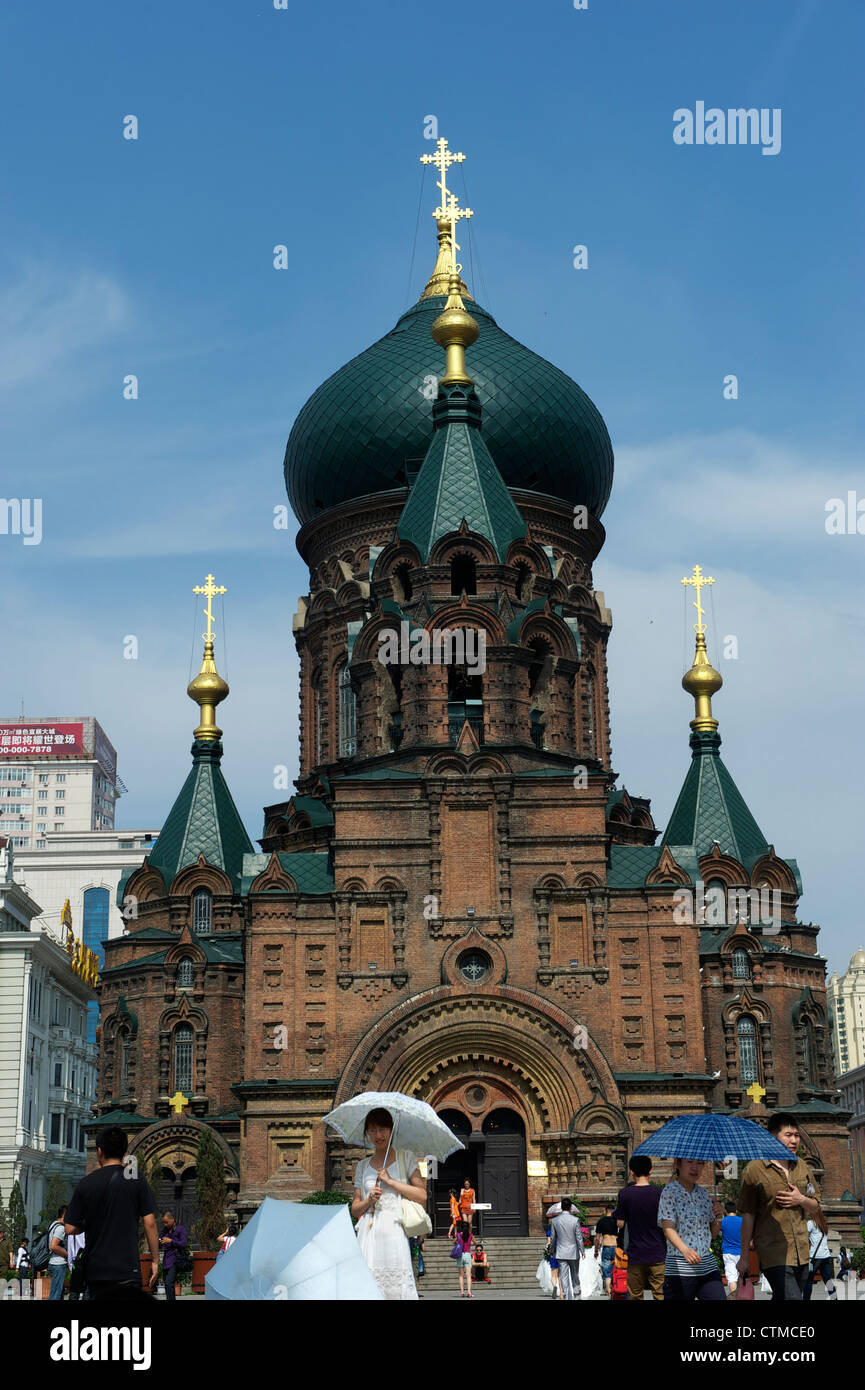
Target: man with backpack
{"type": "Point", "coordinates": [43, 1256]}
{"type": "Point", "coordinates": [57, 1260]}
{"type": "Point", "coordinates": [107, 1205]}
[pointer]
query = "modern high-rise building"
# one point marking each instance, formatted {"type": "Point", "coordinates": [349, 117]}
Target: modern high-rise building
{"type": "Point", "coordinates": [56, 773]}
{"type": "Point", "coordinates": [845, 995]}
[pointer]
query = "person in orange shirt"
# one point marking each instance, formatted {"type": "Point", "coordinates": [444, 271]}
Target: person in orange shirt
{"type": "Point", "coordinates": [467, 1197]}
{"type": "Point", "coordinates": [455, 1213]}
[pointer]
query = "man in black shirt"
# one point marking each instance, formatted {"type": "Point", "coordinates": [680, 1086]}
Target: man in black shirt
{"type": "Point", "coordinates": [107, 1206]}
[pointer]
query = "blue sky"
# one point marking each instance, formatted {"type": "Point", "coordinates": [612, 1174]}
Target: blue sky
{"type": "Point", "coordinates": [304, 127]}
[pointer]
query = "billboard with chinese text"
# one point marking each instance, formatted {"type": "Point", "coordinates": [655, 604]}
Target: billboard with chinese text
{"type": "Point", "coordinates": [25, 740]}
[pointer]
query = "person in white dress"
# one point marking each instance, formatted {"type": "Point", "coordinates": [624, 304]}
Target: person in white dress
{"type": "Point", "coordinates": [591, 1277]}
{"type": "Point", "coordinates": [377, 1203]}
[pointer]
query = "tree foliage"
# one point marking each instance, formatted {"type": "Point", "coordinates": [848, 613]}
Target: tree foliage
{"type": "Point", "coordinates": [17, 1228]}
{"type": "Point", "coordinates": [56, 1193]}
{"type": "Point", "coordinates": [211, 1191]}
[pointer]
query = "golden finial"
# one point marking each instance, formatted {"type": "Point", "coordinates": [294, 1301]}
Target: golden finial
{"type": "Point", "coordinates": [208, 689]}
{"type": "Point", "coordinates": [702, 681]}
{"type": "Point", "coordinates": [445, 224]}
{"type": "Point", "coordinates": [455, 329]}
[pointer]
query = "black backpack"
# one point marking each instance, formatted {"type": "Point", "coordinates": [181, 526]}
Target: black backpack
{"type": "Point", "coordinates": [40, 1250]}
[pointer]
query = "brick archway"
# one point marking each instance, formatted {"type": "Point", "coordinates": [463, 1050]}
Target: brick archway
{"type": "Point", "coordinates": [520, 1048]}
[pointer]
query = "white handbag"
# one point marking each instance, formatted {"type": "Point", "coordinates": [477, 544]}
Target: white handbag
{"type": "Point", "coordinates": [413, 1217]}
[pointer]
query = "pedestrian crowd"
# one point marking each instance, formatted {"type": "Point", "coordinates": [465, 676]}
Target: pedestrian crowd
{"type": "Point", "coordinates": [663, 1236]}
{"type": "Point", "coordinates": [91, 1249]}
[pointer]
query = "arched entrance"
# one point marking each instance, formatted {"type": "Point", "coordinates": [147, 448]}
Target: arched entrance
{"type": "Point", "coordinates": [462, 1164]}
{"type": "Point", "coordinates": [503, 1175]}
{"type": "Point", "coordinates": [176, 1193]}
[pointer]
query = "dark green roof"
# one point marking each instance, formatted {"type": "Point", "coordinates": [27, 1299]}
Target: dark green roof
{"type": "Point", "coordinates": [630, 865]}
{"type": "Point", "coordinates": [313, 873]}
{"type": "Point", "coordinates": [667, 1076]}
{"type": "Point", "coordinates": [313, 807]}
{"type": "Point", "coordinates": [203, 820]}
{"type": "Point", "coordinates": [458, 482]}
{"type": "Point", "coordinates": [358, 431]}
{"type": "Point", "coordinates": [711, 808]}
{"type": "Point", "coordinates": [815, 1107]}
{"type": "Point", "coordinates": [218, 950]}
{"type": "Point", "coordinates": [124, 1118]}
{"type": "Point", "coordinates": [375, 774]}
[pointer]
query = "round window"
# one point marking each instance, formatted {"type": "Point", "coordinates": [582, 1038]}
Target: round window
{"type": "Point", "coordinates": [474, 966]}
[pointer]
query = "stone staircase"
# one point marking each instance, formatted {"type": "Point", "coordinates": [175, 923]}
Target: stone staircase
{"type": "Point", "coordinates": [513, 1262]}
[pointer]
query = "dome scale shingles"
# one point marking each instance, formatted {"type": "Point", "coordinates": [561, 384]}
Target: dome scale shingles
{"type": "Point", "coordinates": [370, 422]}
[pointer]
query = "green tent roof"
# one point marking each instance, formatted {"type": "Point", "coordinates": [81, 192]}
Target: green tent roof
{"type": "Point", "coordinates": [458, 481]}
{"type": "Point", "coordinates": [203, 820]}
{"type": "Point", "coordinates": [711, 808]}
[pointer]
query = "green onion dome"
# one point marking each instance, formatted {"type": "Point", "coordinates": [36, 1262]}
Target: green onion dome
{"type": "Point", "coordinates": [367, 428]}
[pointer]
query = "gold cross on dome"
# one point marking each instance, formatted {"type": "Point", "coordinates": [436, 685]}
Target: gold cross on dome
{"type": "Point", "coordinates": [756, 1092]}
{"type": "Point", "coordinates": [178, 1101]}
{"type": "Point", "coordinates": [453, 212]}
{"type": "Point", "coordinates": [698, 579]}
{"type": "Point", "coordinates": [209, 589]}
{"type": "Point", "coordinates": [442, 159]}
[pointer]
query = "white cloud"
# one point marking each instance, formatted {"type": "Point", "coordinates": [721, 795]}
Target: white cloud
{"type": "Point", "coordinates": [50, 319]}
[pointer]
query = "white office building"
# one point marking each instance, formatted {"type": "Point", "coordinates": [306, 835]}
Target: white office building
{"type": "Point", "coordinates": [83, 867]}
{"type": "Point", "coordinates": [47, 1066]}
{"type": "Point", "coordinates": [845, 996]}
{"type": "Point", "coordinates": [56, 774]}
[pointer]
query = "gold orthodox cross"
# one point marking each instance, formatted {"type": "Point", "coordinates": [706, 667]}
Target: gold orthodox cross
{"type": "Point", "coordinates": [442, 159]}
{"type": "Point", "coordinates": [209, 589]}
{"type": "Point", "coordinates": [178, 1101]}
{"type": "Point", "coordinates": [453, 212]}
{"type": "Point", "coordinates": [756, 1092]}
{"type": "Point", "coordinates": [698, 579]}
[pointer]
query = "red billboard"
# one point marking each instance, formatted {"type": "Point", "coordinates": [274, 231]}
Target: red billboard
{"type": "Point", "coordinates": [25, 740]}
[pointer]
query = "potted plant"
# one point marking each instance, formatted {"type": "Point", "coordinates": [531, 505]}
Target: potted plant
{"type": "Point", "coordinates": [212, 1195]}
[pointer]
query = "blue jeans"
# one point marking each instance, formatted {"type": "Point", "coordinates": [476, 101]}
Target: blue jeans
{"type": "Point", "coordinates": [58, 1280]}
{"type": "Point", "coordinates": [168, 1281]}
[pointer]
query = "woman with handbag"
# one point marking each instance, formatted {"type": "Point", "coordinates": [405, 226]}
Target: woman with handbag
{"type": "Point", "coordinates": [385, 1200]}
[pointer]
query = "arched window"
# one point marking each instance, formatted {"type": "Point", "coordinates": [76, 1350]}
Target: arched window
{"type": "Point", "coordinates": [347, 715]}
{"type": "Point", "coordinates": [464, 575]}
{"type": "Point", "coordinates": [123, 1041]}
{"type": "Point", "coordinates": [716, 903]}
{"type": "Point", "coordinates": [184, 973]}
{"type": "Point", "coordinates": [746, 1031]}
{"type": "Point", "coordinates": [741, 964]}
{"type": "Point", "coordinates": [202, 910]}
{"type": "Point", "coordinates": [183, 1058]}
{"type": "Point", "coordinates": [317, 719]}
{"type": "Point", "coordinates": [403, 579]}
{"type": "Point", "coordinates": [465, 703]}
{"type": "Point", "coordinates": [811, 1076]}
{"type": "Point", "coordinates": [590, 716]}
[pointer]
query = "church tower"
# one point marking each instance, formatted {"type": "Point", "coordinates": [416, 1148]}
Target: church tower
{"type": "Point", "coordinates": [172, 987]}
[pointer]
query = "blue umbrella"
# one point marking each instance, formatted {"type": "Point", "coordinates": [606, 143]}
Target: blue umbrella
{"type": "Point", "coordinates": [715, 1137]}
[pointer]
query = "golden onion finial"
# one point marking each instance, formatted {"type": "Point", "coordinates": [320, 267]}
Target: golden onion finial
{"type": "Point", "coordinates": [208, 689]}
{"type": "Point", "coordinates": [702, 681]}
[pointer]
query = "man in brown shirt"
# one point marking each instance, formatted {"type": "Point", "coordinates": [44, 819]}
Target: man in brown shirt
{"type": "Point", "coordinates": [776, 1202]}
